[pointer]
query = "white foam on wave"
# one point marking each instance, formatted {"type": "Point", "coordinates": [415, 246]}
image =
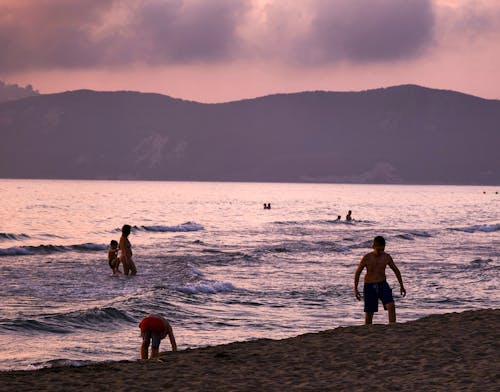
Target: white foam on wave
{"type": "Point", "coordinates": [185, 227]}
{"type": "Point", "coordinates": [59, 363]}
{"type": "Point", "coordinates": [207, 288]}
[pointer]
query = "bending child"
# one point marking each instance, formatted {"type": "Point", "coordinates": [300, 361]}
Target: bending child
{"type": "Point", "coordinates": [154, 328]}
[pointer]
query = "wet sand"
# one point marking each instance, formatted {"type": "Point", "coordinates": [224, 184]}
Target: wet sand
{"type": "Point", "coordinates": [450, 352]}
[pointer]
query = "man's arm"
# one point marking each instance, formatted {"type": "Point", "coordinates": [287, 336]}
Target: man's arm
{"type": "Point", "coordinates": [393, 267]}
{"type": "Point", "coordinates": [357, 274]}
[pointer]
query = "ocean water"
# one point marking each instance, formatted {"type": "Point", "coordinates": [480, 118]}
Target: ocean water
{"type": "Point", "coordinates": [220, 267]}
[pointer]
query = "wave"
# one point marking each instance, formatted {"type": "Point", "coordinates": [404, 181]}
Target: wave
{"type": "Point", "coordinates": [410, 236]}
{"type": "Point", "coordinates": [479, 228]}
{"type": "Point", "coordinates": [479, 263]}
{"type": "Point", "coordinates": [207, 288]}
{"type": "Point", "coordinates": [32, 326]}
{"type": "Point", "coordinates": [421, 234]}
{"type": "Point", "coordinates": [91, 317]}
{"type": "Point", "coordinates": [15, 251]}
{"type": "Point", "coordinates": [326, 246]}
{"type": "Point", "coordinates": [89, 247]}
{"type": "Point", "coordinates": [300, 247]}
{"type": "Point", "coordinates": [337, 222]}
{"type": "Point", "coordinates": [67, 322]}
{"type": "Point", "coordinates": [48, 249]}
{"type": "Point", "coordinates": [16, 237]}
{"type": "Point", "coordinates": [326, 222]}
{"type": "Point", "coordinates": [286, 223]}
{"type": "Point", "coordinates": [62, 362]}
{"type": "Point", "coordinates": [188, 226]}
{"type": "Point", "coordinates": [356, 222]}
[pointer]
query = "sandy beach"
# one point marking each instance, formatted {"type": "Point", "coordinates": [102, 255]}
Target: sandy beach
{"type": "Point", "coordinates": [452, 352]}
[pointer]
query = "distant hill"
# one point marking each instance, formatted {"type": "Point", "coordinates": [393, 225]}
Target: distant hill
{"type": "Point", "coordinates": [11, 92]}
{"type": "Point", "coordinates": [405, 134]}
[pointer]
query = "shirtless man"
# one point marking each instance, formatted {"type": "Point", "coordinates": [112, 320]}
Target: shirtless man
{"type": "Point", "coordinates": [376, 286]}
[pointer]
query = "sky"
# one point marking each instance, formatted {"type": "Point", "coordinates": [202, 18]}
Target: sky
{"type": "Point", "coordinates": [225, 50]}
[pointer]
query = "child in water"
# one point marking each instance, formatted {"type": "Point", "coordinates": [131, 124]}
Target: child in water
{"type": "Point", "coordinates": [113, 259]}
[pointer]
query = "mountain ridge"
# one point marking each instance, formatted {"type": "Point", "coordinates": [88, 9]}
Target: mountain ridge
{"type": "Point", "coordinates": [401, 134]}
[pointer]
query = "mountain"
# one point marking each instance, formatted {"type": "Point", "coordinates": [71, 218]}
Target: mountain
{"type": "Point", "coordinates": [404, 134]}
{"type": "Point", "coordinates": [11, 92]}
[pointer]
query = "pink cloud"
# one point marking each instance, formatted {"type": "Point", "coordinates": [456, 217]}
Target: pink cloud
{"type": "Point", "coordinates": [216, 50]}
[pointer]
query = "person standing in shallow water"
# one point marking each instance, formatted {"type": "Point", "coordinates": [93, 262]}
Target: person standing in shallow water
{"type": "Point", "coordinates": [375, 284]}
{"type": "Point", "coordinates": [113, 259]}
{"type": "Point", "coordinates": [126, 252]}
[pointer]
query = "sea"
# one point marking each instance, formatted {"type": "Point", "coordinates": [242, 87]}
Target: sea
{"type": "Point", "coordinates": [222, 268]}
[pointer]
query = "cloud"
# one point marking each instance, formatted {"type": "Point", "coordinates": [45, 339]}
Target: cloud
{"type": "Point", "coordinates": [93, 33]}
{"type": "Point", "coordinates": [49, 33]}
{"type": "Point", "coordinates": [361, 31]}
{"type": "Point", "coordinates": [88, 34]}
{"type": "Point", "coordinates": [468, 20]}
{"type": "Point", "coordinates": [187, 31]}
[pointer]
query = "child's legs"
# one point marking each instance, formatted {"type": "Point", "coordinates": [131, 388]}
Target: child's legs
{"type": "Point", "coordinates": [155, 346]}
{"type": "Point", "coordinates": [146, 338]}
{"type": "Point", "coordinates": [368, 318]}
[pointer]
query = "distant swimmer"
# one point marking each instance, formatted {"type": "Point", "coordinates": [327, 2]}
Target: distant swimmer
{"type": "Point", "coordinates": [375, 284]}
{"type": "Point", "coordinates": [339, 217]}
{"type": "Point", "coordinates": [113, 259]}
{"type": "Point", "coordinates": [154, 328]}
{"type": "Point", "coordinates": [126, 252]}
{"type": "Point", "coordinates": [348, 216]}
{"type": "Point", "coordinates": [267, 206]}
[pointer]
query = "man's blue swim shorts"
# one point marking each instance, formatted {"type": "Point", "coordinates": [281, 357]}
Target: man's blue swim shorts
{"type": "Point", "coordinates": [375, 291]}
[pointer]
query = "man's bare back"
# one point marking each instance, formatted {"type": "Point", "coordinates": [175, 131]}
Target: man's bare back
{"type": "Point", "coordinates": [375, 264]}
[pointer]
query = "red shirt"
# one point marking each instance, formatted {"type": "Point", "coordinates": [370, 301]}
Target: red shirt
{"type": "Point", "coordinates": [153, 324]}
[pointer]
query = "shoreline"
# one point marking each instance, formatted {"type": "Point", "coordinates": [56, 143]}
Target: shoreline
{"type": "Point", "coordinates": [452, 352]}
